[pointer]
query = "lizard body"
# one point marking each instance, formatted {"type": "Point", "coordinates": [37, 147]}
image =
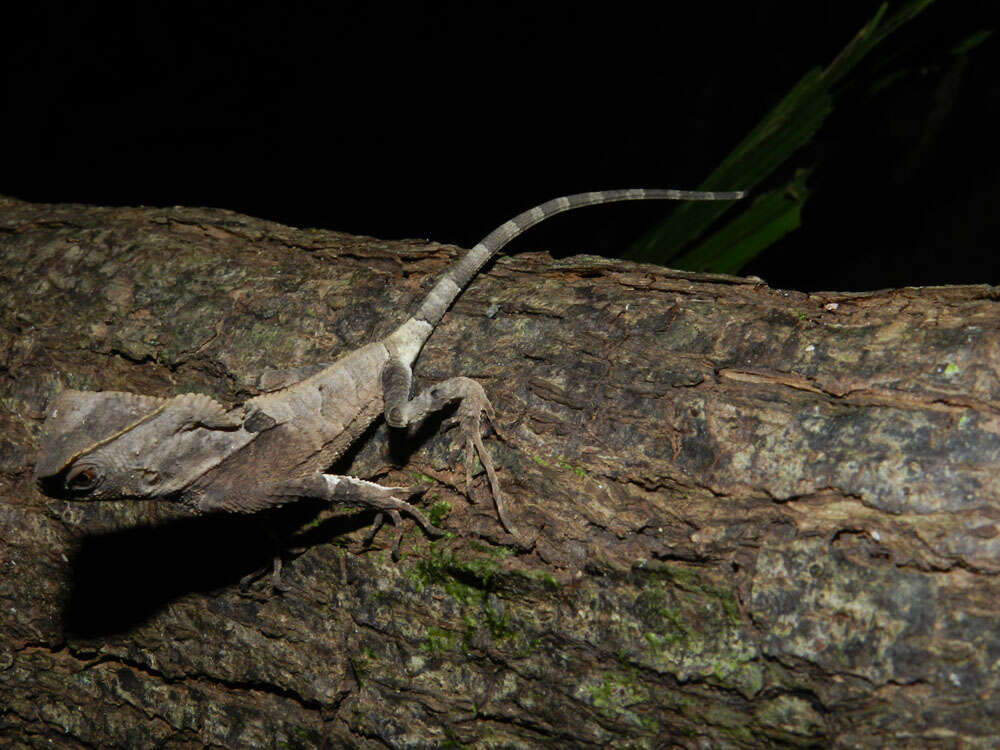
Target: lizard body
{"type": "Point", "coordinates": [274, 448]}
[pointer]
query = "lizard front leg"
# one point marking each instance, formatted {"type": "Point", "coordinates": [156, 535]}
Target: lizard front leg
{"type": "Point", "coordinates": [337, 490]}
{"type": "Point", "coordinates": [401, 411]}
{"type": "Point", "coordinates": [358, 493]}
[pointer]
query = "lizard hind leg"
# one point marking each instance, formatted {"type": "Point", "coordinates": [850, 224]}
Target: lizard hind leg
{"type": "Point", "coordinates": [275, 569]}
{"type": "Point", "coordinates": [401, 411]}
{"type": "Point", "coordinates": [397, 522]}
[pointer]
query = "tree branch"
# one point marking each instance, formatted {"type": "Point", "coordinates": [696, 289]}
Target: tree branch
{"type": "Point", "coordinates": [753, 516]}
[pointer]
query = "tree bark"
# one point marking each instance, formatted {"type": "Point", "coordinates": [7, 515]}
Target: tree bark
{"type": "Point", "coordinates": [747, 517]}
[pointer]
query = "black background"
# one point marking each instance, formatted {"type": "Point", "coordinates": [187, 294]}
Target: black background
{"type": "Point", "coordinates": [444, 121]}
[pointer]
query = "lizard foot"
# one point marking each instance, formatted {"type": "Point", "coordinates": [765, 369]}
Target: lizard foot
{"type": "Point", "coordinates": [276, 583]}
{"type": "Point", "coordinates": [472, 406]}
{"type": "Point", "coordinates": [469, 418]}
{"type": "Point", "coordinates": [386, 501]}
{"type": "Point", "coordinates": [277, 562]}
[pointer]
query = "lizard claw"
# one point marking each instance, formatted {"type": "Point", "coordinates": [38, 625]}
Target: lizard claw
{"type": "Point", "coordinates": [278, 549]}
{"type": "Point", "coordinates": [277, 584]}
{"type": "Point", "coordinates": [389, 507]}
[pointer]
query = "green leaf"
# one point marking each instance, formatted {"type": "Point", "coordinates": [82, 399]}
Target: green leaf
{"type": "Point", "coordinates": [791, 124]}
{"type": "Point", "coordinates": [972, 41]}
{"type": "Point", "coordinates": [787, 127]}
{"type": "Point", "coordinates": [770, 217]}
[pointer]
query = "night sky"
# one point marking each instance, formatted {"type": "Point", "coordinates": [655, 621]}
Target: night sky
{"type": "Point", "coordinates": [444, 123]}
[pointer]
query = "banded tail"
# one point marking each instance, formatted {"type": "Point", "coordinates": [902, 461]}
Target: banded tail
{"type": "Point", "coordinates": [450, 285]}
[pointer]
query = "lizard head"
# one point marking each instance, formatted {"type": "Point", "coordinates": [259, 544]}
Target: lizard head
{"type": "Point", "coordinates": [110, 444]}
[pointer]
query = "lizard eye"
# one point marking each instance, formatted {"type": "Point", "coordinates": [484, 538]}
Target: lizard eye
{"type": "Point", "coordinates": [83, 479]}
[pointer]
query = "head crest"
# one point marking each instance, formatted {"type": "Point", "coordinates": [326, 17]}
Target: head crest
{"type": "Point", "coordinates": [79, 421]}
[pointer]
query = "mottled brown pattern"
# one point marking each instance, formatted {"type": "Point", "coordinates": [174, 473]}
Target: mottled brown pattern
{"type": "Point", "coordinates": [754, 517]}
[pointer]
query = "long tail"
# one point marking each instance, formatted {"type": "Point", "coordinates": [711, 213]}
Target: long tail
{"type": "Point", "coordinates": [450, 285]}
{"type": "Point", "coordinates": [454, 281]}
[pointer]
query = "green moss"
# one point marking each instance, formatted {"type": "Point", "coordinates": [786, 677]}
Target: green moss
{"type": "Point", "coordinates": [421, 478]}
{"type": "Point", "coordinates": [657, 643]}
{"type": "Point", "coordinates": [528, 648]}
{"type": "Point", "coordinates": [695, 582]}
{"type": "Point", "coordinates": [470, 575]}
{"type": "Point", "coordinates": [467, 580]}
{"type": "Point", "coordinates": [363, 663]}
{"type": "Point", "coordinates": [652, 606]}
{"type": "Point", "coordinates": [615, 696]}
{"type": "Point", "coordinates": [494, 553]}
{"type": "Point", "coordinates": [561, 462]}
{"type": "Point", "coordinates": [438, 512]}
{"type": "Point", "coordinates": [497, 621]}
{"type": "Point", "coordinates": [749, 679]}
{"type": "Point", "coordinates": [263, 337]}
{"type": "Point", "coordinates": [565, 464]}
{"type": "Point", "coordinates": [539, 460]}
{"type": "Point", "coordinates": [542, 576]}
{"type": "Point", "coordinates": [439, 640]}
{"type": "Point", "coordinates": [451, 743]}
{"type": "Point", "coordinates": [690, 626]}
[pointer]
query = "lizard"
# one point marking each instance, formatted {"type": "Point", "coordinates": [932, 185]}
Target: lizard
{"type": "Point", "coordinates": [276, 447]}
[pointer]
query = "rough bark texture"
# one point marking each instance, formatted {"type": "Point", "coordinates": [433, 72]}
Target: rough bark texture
{"type": "Point", "coordinates": [751, 517]}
